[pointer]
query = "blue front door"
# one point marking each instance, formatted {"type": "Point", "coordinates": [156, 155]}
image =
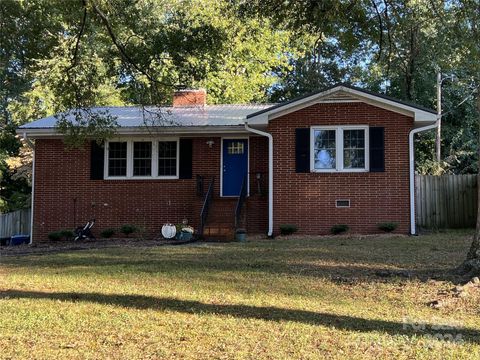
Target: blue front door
{"type": "Point", "coordinates": [235, 165]}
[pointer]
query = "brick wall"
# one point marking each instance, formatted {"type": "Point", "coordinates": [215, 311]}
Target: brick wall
{"type": "Point", "coordinates": [308, 199]}
{"type": "Point", "coordinates": [65, 196]}
{"type": "Point", "coordinates": [189, 97]}
{"type": "Point", "coordinates": [63, 186]}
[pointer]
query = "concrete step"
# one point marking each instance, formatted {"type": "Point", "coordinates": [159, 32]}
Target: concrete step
{"type": "Point", "coordinates": [220, 239]}
{"type": "Point", "coordinates": [219, 232]}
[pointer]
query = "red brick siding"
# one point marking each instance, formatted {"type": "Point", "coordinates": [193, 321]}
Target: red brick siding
{"type": "Point", "coordinates": [61, 176]}
{"type": "Point", "coordinates": [308, 199]}
{"type": "Point", "coordinates": [258, 200]}
{"type": "Point", "coordinates": [190, 98]}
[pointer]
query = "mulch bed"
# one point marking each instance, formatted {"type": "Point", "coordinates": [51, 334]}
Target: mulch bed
{"type": "Point", "coordinates": [58, 247]}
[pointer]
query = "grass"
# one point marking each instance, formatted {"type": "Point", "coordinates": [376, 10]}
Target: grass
{"type": "Point", "coordinates": [302, 298]}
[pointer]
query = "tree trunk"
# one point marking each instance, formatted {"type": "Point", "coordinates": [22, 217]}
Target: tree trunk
{"type": "Point", "coordinates": [472, 263]}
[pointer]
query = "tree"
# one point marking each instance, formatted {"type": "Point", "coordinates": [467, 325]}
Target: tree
{"type": "Point", "coordinates": [468, 23]}
{"type": "Point", "coordinates": [20, 24]}
{"type": "Point", "coordinates": [66, 56]}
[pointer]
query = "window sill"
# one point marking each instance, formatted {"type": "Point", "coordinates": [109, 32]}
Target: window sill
{"type": "Point", "coordinates": [141, 178]}
{"type": "Point", "coordinates": [334, 171]}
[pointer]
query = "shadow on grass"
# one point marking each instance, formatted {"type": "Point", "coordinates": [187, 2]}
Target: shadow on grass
{"type": "Point", "coordinates": [271, 313]}
{"type": "Point", "coordinates": [340, 260]}
{"type": "Point", "coordinates": [199, 265]}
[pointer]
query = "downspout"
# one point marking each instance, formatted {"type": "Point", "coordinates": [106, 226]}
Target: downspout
{"type": "Point", "coordinates": [31, 146]}
{"type": "Point", "coordinates": [411, 149]}
{"type": "Point", "coordinates": [270, 174]}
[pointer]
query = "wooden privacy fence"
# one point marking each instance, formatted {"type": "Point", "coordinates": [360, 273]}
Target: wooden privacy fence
{"type": "Point", "coordinates": [16, 222]}
{"type": "Point", "coordinates": [447, 201]}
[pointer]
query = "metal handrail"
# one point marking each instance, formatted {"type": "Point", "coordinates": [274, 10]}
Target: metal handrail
{"type": "Point", "coordinates": [241, 201]}
{"type": "Point", "coordinates": [199, 184]}
{"type": "Point", "coordinates": [206, 205]}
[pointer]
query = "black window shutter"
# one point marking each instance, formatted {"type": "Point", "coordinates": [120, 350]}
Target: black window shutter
{"type": "Point", "coordinates": [185, 170]}
{"type": "Point", "coordinates": [302, 150]}
{"type": "Point", "coordinates": [97, 153]}
{"type": "Point", "coordinates": [377, 149]}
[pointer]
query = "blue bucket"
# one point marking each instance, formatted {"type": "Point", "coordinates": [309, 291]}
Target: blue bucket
{"type": "Point", "coordinates": [19, 240]}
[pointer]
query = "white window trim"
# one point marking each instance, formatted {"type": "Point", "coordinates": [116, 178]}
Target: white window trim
{"type": "Point", "coordinates": [130, 176]}
{"type": "Point", "coordinates": [339, 148]}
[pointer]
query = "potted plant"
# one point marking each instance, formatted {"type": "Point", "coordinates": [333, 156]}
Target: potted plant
{"type": "Point", "coordinates": [186, 233]}
{"type": "Point", "coordinates": [241, 235]}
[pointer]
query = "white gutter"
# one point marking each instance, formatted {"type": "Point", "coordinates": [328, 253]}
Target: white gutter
{"type": "Point", "coordinates": [411, 149]}
{"type": "Point", "coordinates": [32, 146]}
{"type": "Point", "coordinates": [270, 174]}
{"type": "Point", "coordinates": [200, 131]}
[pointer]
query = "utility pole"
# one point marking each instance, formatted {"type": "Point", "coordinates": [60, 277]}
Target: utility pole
{"type": "Point", "coordinates": [438, 139]}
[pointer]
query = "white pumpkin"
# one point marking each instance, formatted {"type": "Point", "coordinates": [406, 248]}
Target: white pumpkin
{"type": "Point", "coordinates": [169, 231]}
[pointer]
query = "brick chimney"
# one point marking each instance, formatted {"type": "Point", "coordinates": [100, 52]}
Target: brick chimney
{"type": "Point", "coordinates": [189, 97]}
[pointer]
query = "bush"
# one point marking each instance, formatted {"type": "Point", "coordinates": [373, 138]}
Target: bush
{"type": "Point", "coordinates": [387, 226]}
{"type": "Point", "coordinates": [55, 236]}
{"type": "Point", "coordinates": [179, 228]}
{"type": "Point", "coordinates": [128, 229]}
{"type": "Point", "coordinates": [67, 234]}
{"type": "Point", "coordinates": [107, 233]}
{"type": "Point", "coordinates": [339, 228]}
{"type": "Point", "coordinates": [288, 229]}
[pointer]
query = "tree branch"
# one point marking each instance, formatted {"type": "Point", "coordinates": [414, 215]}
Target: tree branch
{"type": "Point", "coordinates": [79, 36]}
{"type": "Point", "coordinates": [389, 35]}
{"type": "Point", "coordinates": [121, 49]}
{"type": "Point", "coordinates": [380, 24]}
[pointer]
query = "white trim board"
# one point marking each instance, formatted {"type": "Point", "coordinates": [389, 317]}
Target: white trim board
{"type": "Point", "coordinates": [378, 101]}
{"type": "Point", "coordinates": [191, 131]}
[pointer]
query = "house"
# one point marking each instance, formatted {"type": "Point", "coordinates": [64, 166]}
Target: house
{"type": "Point", "coordinates": [338, 156]}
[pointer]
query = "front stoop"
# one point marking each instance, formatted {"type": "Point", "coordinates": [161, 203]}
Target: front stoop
{"type": "Point", "coordinates": [220, 226]}
{"type": "Point", "coordinates": [219, 232]}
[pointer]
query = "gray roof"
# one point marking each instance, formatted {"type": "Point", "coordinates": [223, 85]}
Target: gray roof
{"type": "Point", "coordinates": [130, 116]}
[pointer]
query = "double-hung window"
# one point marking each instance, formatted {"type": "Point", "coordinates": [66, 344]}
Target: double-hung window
{"type": "Point", "coordinates": [117, 158]}
{"type": "Point", "coordinates": [339, 148]}
{"type": "Point", "coordinates": [142, 159]}
{"type": "Point", "coordinates": [167, 158]}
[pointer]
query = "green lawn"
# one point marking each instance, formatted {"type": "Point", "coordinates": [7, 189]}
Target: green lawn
{"type": "Point", "coordinates": [303, 298]}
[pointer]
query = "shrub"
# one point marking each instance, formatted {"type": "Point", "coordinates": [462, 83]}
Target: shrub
{"type": "Point", "coordinates": [188, 229]}
{"type": "Point", "coordinates": [179, 228]}
{"type": "Point", "coordinates": [387, 226]}
{"type": "Point", "coordinates": [128, 229]}
{"type": "Point", "coordinates": [67, 234]}
{"type": "Point", "coordinates": [288, 229]}
{"type": "Point", "coordinates": [339, 228]}
{"type": "Point", "coordinates": [61, 235]}
{"type": "Point", "coordinates": [107, 233]}
{"type": "Point", "coordinates": [55, 236]}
